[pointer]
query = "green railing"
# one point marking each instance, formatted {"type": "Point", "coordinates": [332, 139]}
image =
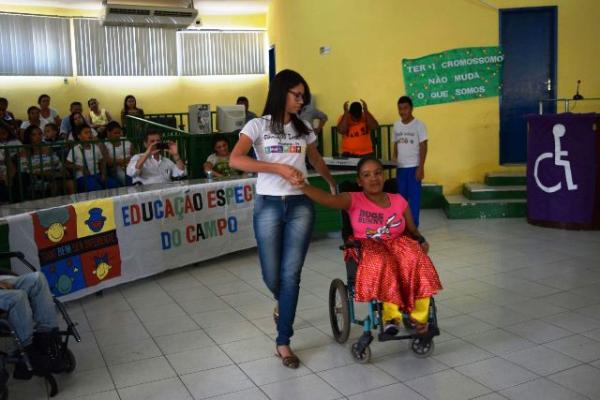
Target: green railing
{"type": "Point", "coordinates": [29, 172]}
{"type": "Point", "coordinates": [381, 137]}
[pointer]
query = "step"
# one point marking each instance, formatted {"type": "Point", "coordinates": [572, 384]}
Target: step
{"type": "Point", "coordinates": [460, 207]}
{"type": "Point", "coordinates": [432, 196]}
{"type": "Point", "coordinates": [505, 178]}
{"type": "Point", "coordinates": [481, 191]}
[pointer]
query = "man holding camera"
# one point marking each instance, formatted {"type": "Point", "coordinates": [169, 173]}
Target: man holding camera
{"type": "Point", "coordinates": [151, 167]}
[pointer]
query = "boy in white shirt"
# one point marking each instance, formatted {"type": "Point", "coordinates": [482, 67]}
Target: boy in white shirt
{"type": "Point", "coordinates": [88, 163]}
{"type": "Point", "coordinates": [410, 151]}
{"type": "Point", "coordinates": [119, 153]}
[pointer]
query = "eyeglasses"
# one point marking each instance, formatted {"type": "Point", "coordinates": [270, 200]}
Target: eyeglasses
{"type": "Point", "coordinates": [297, 95]}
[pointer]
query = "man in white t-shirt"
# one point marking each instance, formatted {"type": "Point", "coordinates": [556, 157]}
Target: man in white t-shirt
{"type": "Point", "coordinates": [151, 167]}
{"type": "Point", "coordinates": [410, 151]}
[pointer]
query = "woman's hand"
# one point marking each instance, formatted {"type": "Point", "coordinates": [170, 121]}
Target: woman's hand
{"type": "Point", "coordinates": [291, 174]}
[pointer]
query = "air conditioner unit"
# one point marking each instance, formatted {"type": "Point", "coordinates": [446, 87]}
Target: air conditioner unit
{"type": "Point", "coordinates": [170, 14]}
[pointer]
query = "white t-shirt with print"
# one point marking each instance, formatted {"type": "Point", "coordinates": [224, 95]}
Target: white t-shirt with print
{"type": "Point", "coordinates": [289, 149]}
{"type": "Point", "coordinates": [407, 138]}
{"type": "Point", "coordinates": [117, 152]}
{"type": "Point", "coordinates": [92, 157]}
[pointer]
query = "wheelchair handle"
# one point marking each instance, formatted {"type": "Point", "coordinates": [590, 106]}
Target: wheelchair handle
{"type": "Point", "coordinates": [11, 254]}
{"type": "Point", "coordinates": [20, 256]}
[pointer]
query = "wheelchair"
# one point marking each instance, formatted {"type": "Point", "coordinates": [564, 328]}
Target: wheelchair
{"type": "Point", "coordinates": [342, 311]}
{"type": "Point", "coordinates": [17, 353]}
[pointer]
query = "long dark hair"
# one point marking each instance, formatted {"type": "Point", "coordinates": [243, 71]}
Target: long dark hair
{"type": "Point", "coordinates": [72, 121]}
{"type": "Point", "coordinates": [277, 98]}
{"type": "Point", "coordinates": [129, 96]}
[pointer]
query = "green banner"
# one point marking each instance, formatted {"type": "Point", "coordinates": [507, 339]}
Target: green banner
{"type": "Point", "coordinates": [453, 75]}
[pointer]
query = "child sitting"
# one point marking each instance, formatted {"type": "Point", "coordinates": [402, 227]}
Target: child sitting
{"type": "Point", "coordinates": [119, 152]}
{"type": "Point", "coordinates": [88, 163]}
{"type": "Point", "coordinates": [393, 268]}
{"type": "Point", "coordinates": [218, 162]}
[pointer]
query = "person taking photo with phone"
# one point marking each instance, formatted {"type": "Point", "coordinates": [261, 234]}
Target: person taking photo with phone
{"type": "Point", "coordinates": [150, 166]}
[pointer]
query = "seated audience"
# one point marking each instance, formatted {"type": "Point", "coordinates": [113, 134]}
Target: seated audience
{"type": "Point", "coordinates": [243, 101]}
{"type": "Point", "coordinates": [7, 167]}
{"type": "Point", "coordinates": [98, 117]}
{"type": "Point", "coordinates": [6, 117]}
{"type": "Point", "coordinates": [31, 311]}
{"type": "Point", "coordinates": [66, 126]}
{"type": "Point", "coordinates": [47, 114]}
{"type": "Point", "coordinates": [355, 126]}
{"type": "Point", "coordinates": [130, 108]}
{"type": "Point", "coordinates": [40, 166]}
{"type": "Point", "coordinates": [33, 118]}
{"type": "Point", "coordinates": [151, 167]}
{"type": "Point", "coordinates": [119, 152]}
{"type": "Point", "coordinates": [88, 163]}
{"type": "Point", "coordinates": [218, 162]}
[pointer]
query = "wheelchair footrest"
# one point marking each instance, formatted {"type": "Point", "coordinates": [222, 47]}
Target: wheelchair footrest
{"type": "Point", "coordinates": [384, 337]}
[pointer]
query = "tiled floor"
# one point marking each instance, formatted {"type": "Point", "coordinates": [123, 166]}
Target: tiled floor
{"type": "Point", "coordinates": [520, 319]}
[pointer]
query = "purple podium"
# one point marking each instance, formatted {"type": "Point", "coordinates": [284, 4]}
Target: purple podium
{"type": "Point", "coordinates": [563, 171]}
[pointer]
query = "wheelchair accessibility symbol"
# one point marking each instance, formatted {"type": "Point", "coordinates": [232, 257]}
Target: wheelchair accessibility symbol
{"type": "Point", "coordinates": [558, 131]}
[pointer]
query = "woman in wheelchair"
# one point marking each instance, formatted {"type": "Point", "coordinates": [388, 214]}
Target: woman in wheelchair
{"type": "Point", "coordinates": [29, 307]}
{"type": "Point", "coordinates": [393, 266]}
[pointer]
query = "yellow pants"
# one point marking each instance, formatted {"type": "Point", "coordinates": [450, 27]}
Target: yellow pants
{"type": "Point", "coordinates": [420, 313]}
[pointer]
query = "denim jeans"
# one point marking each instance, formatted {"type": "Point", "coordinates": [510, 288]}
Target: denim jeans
{"type": "Point", "coordinates": [91, 183]}
{"type": "Point", "coordinates": [29, 305]}
{"type": "Point", "coordinates": [410, 188]}
{"type": "Point", "coordinates": [283, 227]}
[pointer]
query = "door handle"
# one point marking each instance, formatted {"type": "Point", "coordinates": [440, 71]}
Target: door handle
{"type": "Point", "coordinates": [549, 84]}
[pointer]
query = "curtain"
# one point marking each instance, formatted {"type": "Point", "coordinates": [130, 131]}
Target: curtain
{"type": "Point", "coordinates": [124, 50]}
{"type": "Point", "coordinates": [221, 53]}
{"type": "Point", "coordinates": [35, 45]}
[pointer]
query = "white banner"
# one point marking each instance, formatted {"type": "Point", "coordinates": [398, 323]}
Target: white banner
{"type": "Point", "coordinates": [87, 246]}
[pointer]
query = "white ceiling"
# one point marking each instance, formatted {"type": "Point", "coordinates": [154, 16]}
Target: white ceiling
{"type": "Point", "coordinates": [210, 7]}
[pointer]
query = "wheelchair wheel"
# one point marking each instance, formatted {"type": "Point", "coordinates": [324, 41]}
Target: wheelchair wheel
{"type": "Point", "coordinates": [70, 361]}
{"type": "Point", "coordinates": [422, 347]}
{"type": "Point", "coordinates": [361, 357]}
{"type": "Point", "coordinates": [339, 315]}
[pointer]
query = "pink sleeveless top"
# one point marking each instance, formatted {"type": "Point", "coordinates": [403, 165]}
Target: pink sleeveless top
{"type": "Point", "coordinates": [370, 221]}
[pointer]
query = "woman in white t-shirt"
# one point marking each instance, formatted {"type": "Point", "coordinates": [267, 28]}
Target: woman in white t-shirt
{"type": "Point", "coordinates": [88, 163]}
{"type": "Point", "coordinates": [283, 216]}
{"type": "Point", "coordinates": [47, 114]}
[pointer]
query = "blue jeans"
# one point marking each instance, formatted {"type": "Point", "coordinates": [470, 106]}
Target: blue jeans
{"type": "Point", "coordinates": [283, 227]}
{"type": "Point", "coordinates": [29, 305]}
{"type": "Point", "coordinates": [410, 188]}
{"type": "Point", "coordinates": [90, 183]}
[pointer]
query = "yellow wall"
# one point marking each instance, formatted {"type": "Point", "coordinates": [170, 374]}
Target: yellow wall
{"type": "Point", "coordinates": [370, 38]}
{"type": "Point", "coordinates": [154, 94]}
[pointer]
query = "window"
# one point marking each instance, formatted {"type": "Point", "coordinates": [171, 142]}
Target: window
{"type": "Point", "coordinates": [35, 45]}
{"type": "Point", "coordinates": [124, 50]}
{"type": "Point", "coordinates": [221, 53]}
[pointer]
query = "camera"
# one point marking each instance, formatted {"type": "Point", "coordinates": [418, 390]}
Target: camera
{"type": "Point", "coordinates": [161, 146]}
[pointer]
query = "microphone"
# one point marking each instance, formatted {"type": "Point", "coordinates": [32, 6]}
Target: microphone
{"type": "Point", "coordinates": [577, 96]}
